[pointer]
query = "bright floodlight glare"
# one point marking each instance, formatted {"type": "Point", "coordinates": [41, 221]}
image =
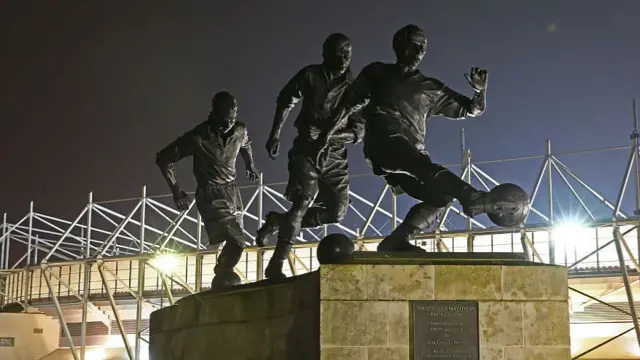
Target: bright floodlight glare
{"type": "Point", "coordinates": [566, 228]}
{"type": "Point", "coordinates": [568, 232]}
{"type": "Point", "coordinates": [165, 263]}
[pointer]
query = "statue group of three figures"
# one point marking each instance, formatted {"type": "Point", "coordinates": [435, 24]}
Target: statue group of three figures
{"type": "Point", "coordinates": [385, 107]}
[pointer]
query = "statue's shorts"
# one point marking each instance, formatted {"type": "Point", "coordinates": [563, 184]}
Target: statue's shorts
{"type": "Point", "coordinates": [220, 206]}
{"type": "Point", "coordinates": [395, 159]}
{"type": "Point", "coordinates": [329, 179]}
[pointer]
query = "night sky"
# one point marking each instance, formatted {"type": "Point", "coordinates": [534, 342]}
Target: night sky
{"type": "Point", "coordinates": [89, 92]}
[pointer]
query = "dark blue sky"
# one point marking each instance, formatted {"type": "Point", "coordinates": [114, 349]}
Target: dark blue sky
{"type": "Point", "coordinates": [88, 94]}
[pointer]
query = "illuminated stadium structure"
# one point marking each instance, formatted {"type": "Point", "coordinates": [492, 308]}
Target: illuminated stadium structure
{"type": "Point", "coordinates": [102, 273]}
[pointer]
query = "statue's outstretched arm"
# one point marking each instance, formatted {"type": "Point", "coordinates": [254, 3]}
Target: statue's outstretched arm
{"type": "Point", "coordinates": [166, 158]}
{"type": "Point", "coordinates": [247, 156]}
{"type": "Point", "coordinates": [290, 94]}
{"type": "Point", "coordinates": [456, 106]}
{"type": "Point", "coordinates": [287, 99]}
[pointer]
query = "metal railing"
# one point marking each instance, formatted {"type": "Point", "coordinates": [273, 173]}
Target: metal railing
{"type": "Point", "coordinates": [589, 250]}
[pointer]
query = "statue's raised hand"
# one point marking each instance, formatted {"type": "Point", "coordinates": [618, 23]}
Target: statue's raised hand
{"type": "Point", "coordinates": [477, 78]}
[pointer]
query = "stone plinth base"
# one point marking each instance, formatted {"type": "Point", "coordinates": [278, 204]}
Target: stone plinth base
{"type": "Point", "coordinates": [360, 310]}
{"type": "Point", "coordinates": [253, 322]}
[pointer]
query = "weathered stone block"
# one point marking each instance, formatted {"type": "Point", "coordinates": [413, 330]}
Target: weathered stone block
{"type": "Point", "coordinates": [163, 320]}
{"type": "Point", "coordinates": [344, 353]}
{"type": "Point", "coordinates": [388, 353]}
{"type": "Point", "coordinates": [500, 323]}
{"type": "Point", "coordinates": [546, 323]}
{"type": "Point", "coordinates": [280, 321]}
{"type": "Point", "coordinates": [249, 305]}
{"type": "Point", "coordinates": [487, 353]}
{"type": "Point", "coordinates": [297, 336]}
{"type": "Point", "coordinates": [281, 326]}
{"type": "Point", "coordinates": [184, 317]}
{"type": "Point", "coordinates": [232, 307]}
{"type": "Point", "coordinates": [399, 282]}
{"type": "Point", "coordinates": [468, 282]}
{"type": "Point", "coordinates": [354, 323]}
{"type": "Point", "coordinates": [343, 282]}
{"type": "Point", "coordinates": [157, 343]}
{"type": "Point", "coordinates": [211, 310]}
{"type": "Point", "coordinates": [283, 300]}
{"type": "Point", "coordinates": [361, 311]}
{"type": "Point", "coordinates": [398, 323]}
{"type": "Point", "coordinates": [537, 353]}
{"type": "Point", "coordinates": [534, 283]}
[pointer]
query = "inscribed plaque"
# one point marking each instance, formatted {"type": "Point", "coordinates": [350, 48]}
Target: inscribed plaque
{"type": "Point", "coordinates": [445, 330]}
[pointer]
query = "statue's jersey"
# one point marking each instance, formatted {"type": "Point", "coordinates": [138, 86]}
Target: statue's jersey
{"type": "Point", "coordinates": [320, 97]}
{"type": "Point", "coordinates": [398, 105]}
{"type": "Point", "coordinates": [214, 154]}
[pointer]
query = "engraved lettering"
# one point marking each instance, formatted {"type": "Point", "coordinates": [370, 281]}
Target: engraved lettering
{"type": "Point", "coordinates": [445, 330]}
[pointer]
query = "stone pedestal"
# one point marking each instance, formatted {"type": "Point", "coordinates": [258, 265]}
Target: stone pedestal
{"type": "Point", "coordinates": [361, 310]}
{"type": "Point", "coordinates": [256, 321]}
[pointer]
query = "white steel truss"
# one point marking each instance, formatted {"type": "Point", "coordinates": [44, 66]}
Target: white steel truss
{"type": "Point", "coordinates": [111, 252]}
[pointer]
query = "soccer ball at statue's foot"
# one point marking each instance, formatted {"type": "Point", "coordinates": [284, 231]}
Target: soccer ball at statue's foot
{"type": "Point", "coordinates": [225, 280]}
{"type": "Point", "coordinates": [334, 248]}
{"type": "Point", "coordinates": [509, 205]}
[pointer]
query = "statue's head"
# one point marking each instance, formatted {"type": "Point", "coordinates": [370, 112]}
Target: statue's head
{"type": "Point", "coordinates": [410, 45]}
{"type": "Point", "coordinates": [336, 52]}
{"type": "Point", "coordinates": [224, 109]}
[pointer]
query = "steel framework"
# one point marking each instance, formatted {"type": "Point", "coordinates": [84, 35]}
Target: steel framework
{"type": "Point", "coordinates": [142, 252]}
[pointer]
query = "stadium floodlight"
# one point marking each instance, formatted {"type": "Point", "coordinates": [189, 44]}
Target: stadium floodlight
{"type": "Point", "coordinates": [566, 230]}
{"type": "Point", "coordinates": [165, 263]}
{"type": "Point", "coordinates": [571, 233]}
